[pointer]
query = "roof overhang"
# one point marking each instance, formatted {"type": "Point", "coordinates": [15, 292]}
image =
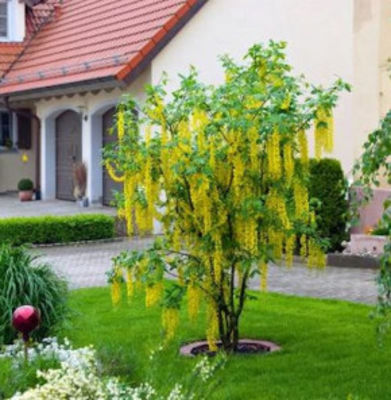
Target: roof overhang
{"type": "Point", "coordinates": [65, 89]}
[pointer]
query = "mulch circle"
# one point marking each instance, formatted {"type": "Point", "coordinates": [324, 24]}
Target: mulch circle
{"type": "Point", "coordinates": [245, 346]}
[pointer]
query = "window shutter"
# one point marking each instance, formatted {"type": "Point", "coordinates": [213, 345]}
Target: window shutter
{"type": "Point", "coordinates": [3, 18]}
{"type": "Point", "coordinates": [24, 132]}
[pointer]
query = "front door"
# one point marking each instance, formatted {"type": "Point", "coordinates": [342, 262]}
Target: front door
{"type": "Point", "coordinates": [109, 186]}
{"type": "Point", "coordinates": [68, 152]}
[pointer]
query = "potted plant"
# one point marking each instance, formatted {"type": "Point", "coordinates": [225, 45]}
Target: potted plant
{"type": "Point", "coordinates": [25, 187]}
{"type": "Point", "coordinates": [80, 184]}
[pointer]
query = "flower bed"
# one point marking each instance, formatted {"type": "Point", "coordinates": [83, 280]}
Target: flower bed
{"type": "Point", "coordinates": [78, 375]}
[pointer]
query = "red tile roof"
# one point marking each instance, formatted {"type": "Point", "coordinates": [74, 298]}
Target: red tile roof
{"type": "Point", "coordinates": [8, 54]}
{"type": "Point", "coordinates": [96, 39]}
{"type": "Point", "coordinates": [36, 18]}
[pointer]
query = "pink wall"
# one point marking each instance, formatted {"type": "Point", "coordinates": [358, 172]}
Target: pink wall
{"type": "Point", "coordinates": [371, 214]}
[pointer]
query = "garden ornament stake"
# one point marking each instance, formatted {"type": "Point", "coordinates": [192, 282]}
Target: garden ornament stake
{"type": "Point", "coordinates": [25, 319]}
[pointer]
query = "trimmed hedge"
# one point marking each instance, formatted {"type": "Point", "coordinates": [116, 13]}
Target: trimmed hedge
{"type": "Point", "coordinates": [328, 185]}
{"type": "Point", "coordinates": [50, 229]}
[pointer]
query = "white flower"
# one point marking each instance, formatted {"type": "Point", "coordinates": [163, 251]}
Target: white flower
{"type": "Point", "coordinates": [176, 393]}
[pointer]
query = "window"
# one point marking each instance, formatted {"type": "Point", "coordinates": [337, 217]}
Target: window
{"type": "Point", "coordinates": [3, 18]}
{"type": "Point", "coordinates": [5, 130]}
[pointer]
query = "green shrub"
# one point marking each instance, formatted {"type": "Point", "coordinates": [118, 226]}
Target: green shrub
{"type": "Point", "coordinates": [25, 281]}
{"type": "Point", "coordinates": [328, 185]}
{"type": "Point", "coordinates": [25, 184]}
{"type": "Point", "coordinates": [44, 230]}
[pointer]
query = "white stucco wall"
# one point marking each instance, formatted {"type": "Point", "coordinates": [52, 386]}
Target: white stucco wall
{"type": "Point", "coordinates": [366, 100]}
{"type": "Point", "coordinates": [93, 106]}
{"type": "Point", "coordinates": [320, 45]}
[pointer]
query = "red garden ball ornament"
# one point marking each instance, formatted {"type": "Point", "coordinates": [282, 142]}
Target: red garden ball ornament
{"type": "Point", "coordinates": [25, 319]}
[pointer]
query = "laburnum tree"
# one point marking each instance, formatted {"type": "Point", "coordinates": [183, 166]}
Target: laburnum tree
{"type": "Point", "coordinates": [224, 169]}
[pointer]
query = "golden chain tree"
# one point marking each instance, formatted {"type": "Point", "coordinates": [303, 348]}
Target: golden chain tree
{"type": "Point", "coordinates": [224, 169]}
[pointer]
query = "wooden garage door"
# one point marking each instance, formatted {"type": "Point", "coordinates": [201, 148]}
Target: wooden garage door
{"type": "Point", "coordinates": [109, 186]}
{"type": "Point", "coordinates": [68, 152]}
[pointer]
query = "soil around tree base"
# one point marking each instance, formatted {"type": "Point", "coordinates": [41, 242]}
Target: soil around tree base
{"type": "Point", "coordinates": [245, 346]}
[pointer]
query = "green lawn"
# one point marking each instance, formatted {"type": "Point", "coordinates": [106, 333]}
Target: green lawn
{"type": "Point", "coordinates": [329, 348]}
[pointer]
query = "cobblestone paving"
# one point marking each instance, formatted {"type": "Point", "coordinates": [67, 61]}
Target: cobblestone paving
{"type": "Point", "coordinates": [85, 266]}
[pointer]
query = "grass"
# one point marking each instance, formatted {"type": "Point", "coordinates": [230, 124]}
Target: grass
{"type": "Point", "coordinates": [330, 348]}
{"type": "Point", "coordinates": [20, 379]}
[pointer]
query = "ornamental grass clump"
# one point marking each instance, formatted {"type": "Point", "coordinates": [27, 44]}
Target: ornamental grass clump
{"type": "Point", "coordinates": [23, 280]}
{"type": "Point", "coordinates": [224, 169]}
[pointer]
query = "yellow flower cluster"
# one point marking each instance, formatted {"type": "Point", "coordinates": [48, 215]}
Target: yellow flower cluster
{"type": "Point", "coordinates": [303, 147]}
{"type": "Point", "coordinates": [112, 173]}
{"type": "Point", "coordinates": [324, 132]}
{"type": "Point", "coordinates": [116, 286]}
{"type": "Point", "coordinates": [289, 164]}
{"type": "Point", "coordinates": [254, 150]}
{"type": "Point", "coordinates": [276, 203]}
{"type": "Point", "coordinates": [263, 270]}
{"type": "Point", "coordinates": [300, 194]}
{"type": "Point", "coordinates": [170, 322]}
{"type": "Point", "coordinates": [153, 294]}
{"type": "Point", "coordinates": [316, 256]}
{"type": "Point", "coordinates": [120, 125]}
{"type": "Point", "coordinates": [286, 103]}
{"type": "Point", "coordinates": [193, 300]}
{"type": "Point", "coordinates": [213, 327]}
{"type": "Point", "coordinates": [274, 155]}
{"type": "Point", "coordinates": [217, 258]}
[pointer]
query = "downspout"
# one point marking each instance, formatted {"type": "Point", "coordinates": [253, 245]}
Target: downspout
{"type": "Point", "coordinates": [35, 118]}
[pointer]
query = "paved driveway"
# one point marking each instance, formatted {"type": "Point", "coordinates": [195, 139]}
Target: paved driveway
{"type": "Point", "coordinates": [85, 266]}
{"type": "Point", "coordinates": [10, 206]}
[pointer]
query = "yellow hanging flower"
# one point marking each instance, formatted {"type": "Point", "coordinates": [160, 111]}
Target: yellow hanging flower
{"type": "Point", "coordinates": [176, 239]}
{"type": "Point", "coordinates": [300, 194]}
{"type": "Point", "coordinates": [324, 132]}
{"type": "Point", "coordinates": [115, 293]}
{"type": "Point", "coordinates": [217, 258]}
{"type": "Point", "coordinates": [273, 155]}
{"type": "Point", "coordinates": [303, 148]}
{"type": "Point", "coordinates": [193, 300]}
{"type": "Point", "coordinates": [286, 103]}
{"type": "Point", "coordinates": [254, 161]}
{"type": "Point", "coordinates": [263, 269]}
{"type": "Point", "coordinates": [112, 173]}
{"type": "Point", "coordinates": [116, 286]}
{"type": "Point", "coordinates": [153, 294]}
{"type": "Point", "coordinates": [289, 164]}
{"type": "Point", "coordinates": [121, 125]}
{"type": "Point", "coordinates": [170, 322]}
{"type": "Point", "coordinates": [181, 278]}
{"type": "Point", "coordinates": [213, 327]}
{"type": "Point", "coordinates": [329, 142]}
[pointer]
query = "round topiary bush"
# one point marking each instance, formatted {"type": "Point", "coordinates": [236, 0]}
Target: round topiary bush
{"type": "Point", "coordinates": [25, 185]}
{"type": "Point", "coordinates": [23, 280]}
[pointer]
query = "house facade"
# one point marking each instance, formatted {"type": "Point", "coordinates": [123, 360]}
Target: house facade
{"type": "Point", "coordinates": [64, 66]}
